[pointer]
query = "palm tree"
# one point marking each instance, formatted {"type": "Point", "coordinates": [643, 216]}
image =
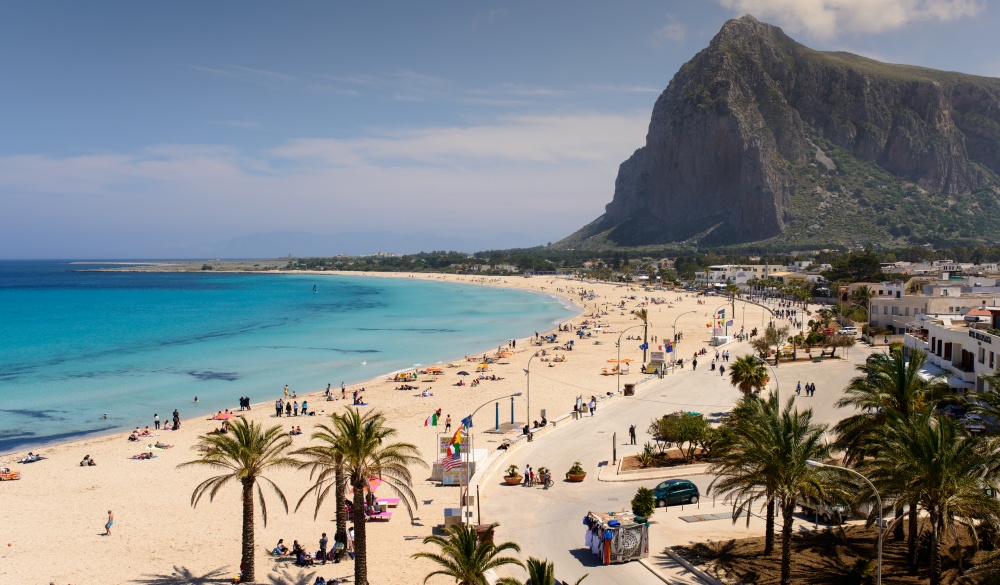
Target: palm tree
{"type": "Point", "coordinates": [744, 467]}
{"type": "Point", "coordinates": [987, 403]}
{"type": "Point", "coordinates": [363, 440]}
{"type": "Point", "coordinates": [929, 459]}
{"type": "Point", "coordinates": [465, 557]}
{"type": "Point", "coordinates": [889, 389]}
{"type": "Point", "coordinates": [643, 315]}
{"type": "Point", "coordinates": [326, 464]}
{"type": "Point", "coordinates": [245, 453]}
{"type": "Point", "coordinates": [793, 440]}
{"type": "Point", "coordinates": [748, 374]}
{"type": "Point", "coordinates": [539, 573]}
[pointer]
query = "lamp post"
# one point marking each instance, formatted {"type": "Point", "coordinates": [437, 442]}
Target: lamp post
{"type": "Point", "coordinates": [674, 360]}
{"type": "Point", "coordinates": [465, 501]}
{"type": "Point", "coordinates": [527, 373]}
{"type": "Point", "coordinates": [619, 363]}
{"type": "Point", "coordinates": [817, 464]}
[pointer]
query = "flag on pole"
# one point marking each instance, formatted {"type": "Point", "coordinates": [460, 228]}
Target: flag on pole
{"type": "Point", "coordinates": [670, 347]}
{"type": "Point", "coordinates": [644, 346]}
{"type": "Point", "coordinates": [467, 422]}
{"type": "Point", "coordinates": [455, 449]}
{"type": "Point", "coordinates": [452, 462]}
{"type": "Point", "coordinates": [432, 420]}
{"type": "Point", "coordinates": [729, 323]}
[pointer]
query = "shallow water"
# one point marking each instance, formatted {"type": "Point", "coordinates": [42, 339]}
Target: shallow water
{"type": "Point", "coordinates": [75, 345]}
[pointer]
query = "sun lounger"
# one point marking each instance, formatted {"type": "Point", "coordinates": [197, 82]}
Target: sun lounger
{"type": "Point", "coordinates": [384, 515]}
{"type": "Point", "coordinates": [10, 475]}
{"type": "Point", "coordinates": [388, 502]}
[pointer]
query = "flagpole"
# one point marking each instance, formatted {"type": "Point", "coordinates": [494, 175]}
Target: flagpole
{"type": "Point", "coordinates": [465, 498]}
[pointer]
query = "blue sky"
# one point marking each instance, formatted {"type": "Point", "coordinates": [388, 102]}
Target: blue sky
{"type": "Point", "coordinates": [139, 129]}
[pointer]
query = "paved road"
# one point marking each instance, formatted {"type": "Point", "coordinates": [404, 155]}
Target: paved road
{"type": "Point", "coordinates": [548, 523]}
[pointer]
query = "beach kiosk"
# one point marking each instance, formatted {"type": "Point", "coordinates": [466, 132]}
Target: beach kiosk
{"type": "Point", "coordinates": [615, 537]}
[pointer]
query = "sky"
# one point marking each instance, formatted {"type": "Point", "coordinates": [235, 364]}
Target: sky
{"type": "Point", "coordinates": [165, 130]}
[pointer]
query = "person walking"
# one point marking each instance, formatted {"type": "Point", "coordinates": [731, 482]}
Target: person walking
{"type": "Point", "coordinates": [694, 364]}
{"type": "Point", "coordinates": [592, 405]}
{"type": "Point", "coordinates": [631, 434]}
{"type": "Point", "coordinates": [798, 387]}
{"type": "Point", "coordinates": [722, 370]}
{"type": "Point", "coordinates": [277, 407]}
{"type": "Point", "coordinates": [156, 421]}
{"type": "Point", "coordinates": [447, 423]}
{"type": "Point", "coordinates": [109, 524]}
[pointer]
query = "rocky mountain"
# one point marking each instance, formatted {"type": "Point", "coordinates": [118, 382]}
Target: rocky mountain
{"type": "Point", "coordinates": [761, 139]}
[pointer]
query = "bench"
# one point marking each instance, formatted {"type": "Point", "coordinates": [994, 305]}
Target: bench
{"type": "Point", "coordinates": [388, 502]}
{"type": "Point", "coordinates": [817, 358]}
{"type": "Point", "coordinates": [384, 515]}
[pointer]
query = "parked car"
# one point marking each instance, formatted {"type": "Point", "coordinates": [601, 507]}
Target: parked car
{"type": "Point", "coordinates": [973, 423]}
{"type": "Point", "coordinates": [676, 491]}
{"type": "Point", "coordinates": [827, 512]}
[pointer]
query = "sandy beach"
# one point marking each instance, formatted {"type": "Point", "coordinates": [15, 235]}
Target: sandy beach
{"type": "Point", "coordinates": [52, 520]}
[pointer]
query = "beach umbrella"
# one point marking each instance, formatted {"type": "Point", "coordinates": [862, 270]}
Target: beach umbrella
{"type": "Point", "coordinates": [373, 483]}
{"type": "Point", "coordinates": [613, 361]}
{"type": "Point", "coordinates": [223, 416]}
{"type": "Point", "coordinates": [627, 360]}
{"type": "Point", "coordinates": [463, 373]}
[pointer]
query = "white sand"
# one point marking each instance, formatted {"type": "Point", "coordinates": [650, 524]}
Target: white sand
{"type": "Point", "coordinates": [53, 517]}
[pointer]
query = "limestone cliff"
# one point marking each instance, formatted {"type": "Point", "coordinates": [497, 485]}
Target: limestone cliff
{"type": "Point", "coordinates": [761, 138]}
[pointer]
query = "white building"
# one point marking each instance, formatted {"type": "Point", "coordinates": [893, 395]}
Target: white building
{"type": "Point", "coordinates": [960, 347]}
{"type": "Point", "coordinates": [734, 273]}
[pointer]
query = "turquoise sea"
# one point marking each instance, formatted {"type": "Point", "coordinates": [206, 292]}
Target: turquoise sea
{"type": "Point", "coordinates": [76, 344]}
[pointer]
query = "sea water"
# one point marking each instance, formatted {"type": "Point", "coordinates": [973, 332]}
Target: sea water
{"type": "Point", "coordinates": [76, 344]}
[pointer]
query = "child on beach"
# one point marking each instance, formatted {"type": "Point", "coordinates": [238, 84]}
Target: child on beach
{"type": "Point", "coordinates": [111, 522]}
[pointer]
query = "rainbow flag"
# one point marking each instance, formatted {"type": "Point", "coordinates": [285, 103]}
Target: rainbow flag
{"type": "Point", "coordinates": [432, 420]}
{"type": "Point", "coordinates": [455, 449]}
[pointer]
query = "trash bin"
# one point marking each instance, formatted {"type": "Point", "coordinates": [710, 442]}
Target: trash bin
{"type": "Point", "coordinates": [629, 389]}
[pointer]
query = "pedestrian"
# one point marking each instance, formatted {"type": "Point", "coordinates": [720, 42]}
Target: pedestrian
{"type": "Point", "coordinates": [322, 547]}
{"type": "Point", "coordinates": [343, 391]}
{"type": "Point", "coordinates": [156, 421]}
{"type": "Point", "coordinates": [350, 541]}
{"type": "Point", "coordinates": [288, 409]}
{"type": "Point", "coordinates": [812, 391]}
{"type": "Point", "coordinates": [694, 364]}
{"type": "Point", "coordinates": [295, 407]}
{"type": "Point", "coordinates": [798, 387]}
{"type": "Point", "coordinates": [277, 407]}
{"type": "Point", "coordinates": [592, 405]}
{"type": "Point", "coordinates": [447, 423]}
{"type": "Point", "coordinates": [305, 407]}
{"type": "Point", "coordinates": [110, 523]}
{"type": "Point", "coordinates": [722, 370]}
{"type": "Point", "coordinates": [631, 434]}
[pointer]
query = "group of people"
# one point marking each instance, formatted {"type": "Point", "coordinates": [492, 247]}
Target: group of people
{"type": "Point", "coordinates": [810, 388]}
{"type": "Point", "coordinates": [295, 431]}
{"type": "Point", "coordinates": [343, 543]}
{"type": "Point", "coordinates": [544, 476]}
{"type": "Point", "coordinates": [167, 426]}
{"type": "Point", "coordinates": [88, 461]}
{"type": "Point", "coordinates": [290, 408]}
{"type": "Point", "coordinates": [244, 403]}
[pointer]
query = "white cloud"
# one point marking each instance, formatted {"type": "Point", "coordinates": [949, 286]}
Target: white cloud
{"type": "Point", "coordinates": [674, 31]}
{"type": "Point", "coordinates": [829, 18]}
{"type": "Point", "coordinates": [542, 174]}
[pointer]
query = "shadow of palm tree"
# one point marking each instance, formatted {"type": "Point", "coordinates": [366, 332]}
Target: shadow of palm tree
{"type": "Point", "coordinates": [184, 576]}
{"type": "Point", "coordinates": [285, 578]}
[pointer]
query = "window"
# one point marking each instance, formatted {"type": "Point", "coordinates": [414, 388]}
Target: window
{"type": "Point", "coordinates": [982, 355]}
{"type": "Point", "coordinates": [885, 310]}
{"type": "Point", "coordinates": [895, 310]}
{"type": "Point", "coordinates": [947, 351]}
{"type": "Point", "coordinates": [907, 313]}
{"type": "Point", "coordinates": [991, 360]}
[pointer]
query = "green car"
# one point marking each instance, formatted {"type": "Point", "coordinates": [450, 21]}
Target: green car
{"type": "Point", "coordinates": [676, 491]}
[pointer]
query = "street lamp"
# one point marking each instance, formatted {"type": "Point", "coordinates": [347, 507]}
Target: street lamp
{"type": "Point", "coordinates": [619, 363]}
{"type": "Point", "coordinates": [465, 501]}
{"type": "Point", "coordinates": [674, 361]}
{"type": "Point", "coordinates": [816, 464]}
{"type": "Point", "coordinates": [527, 373]}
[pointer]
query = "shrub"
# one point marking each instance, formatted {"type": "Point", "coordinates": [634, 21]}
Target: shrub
{"type": "Point", "coordinates": [512, 471]}
{"type": "Point", "coordinates": [644, 503]}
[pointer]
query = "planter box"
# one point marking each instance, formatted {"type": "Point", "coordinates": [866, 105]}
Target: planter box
{"type": "Point", "coordinates": [512, 480]}
{"type": "Point", "coordinates": [576, 478]}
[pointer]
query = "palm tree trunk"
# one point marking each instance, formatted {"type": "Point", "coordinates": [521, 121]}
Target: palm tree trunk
{"type": "Point", "coordinates": [360, 541]}
{"type": "Point", "coordinates": [911, 539]}
{"type": "Point", "coordinates": [341, 494]}
{"type": "Point", "coordinates": [769, 528]}
{"type": "Point", "coordinates": [786, 542]}
{"type": "Point", "coordinates": [246, 564]}
{"type": "Point", "coordinates": [935, 548]}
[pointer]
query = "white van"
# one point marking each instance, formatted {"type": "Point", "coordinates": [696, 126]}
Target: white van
{"type": "Point", "coordinates": [853, 331]}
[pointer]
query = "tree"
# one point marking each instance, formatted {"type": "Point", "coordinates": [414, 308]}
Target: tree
{"type": "Point", "coordinates": [465, 557]}
{"type": "Point", "coordinates": [364, 441]}
{"type": "Point", "coordinates": [794, 439]}
{"type": "Point", "coordinates": [644, 502]}
{"type": "Point", "coordinates": [745, 468]}
{"type": "Point", "coordinates": [643, 315]}
{"type": "Point", "coordinates": [835, 341]}
{"type": "Point", "coordinates": [748, 374]}
{"type": "Point", "coordinates": [775, 336]}
{"type": "Point", "coordinates": [539, 573]}
{"type": "Point", "coordinates": [889, 389]}
{"type": "Point", "coordinates": [326, 464]}
{"type": "Point", "coordinates": [681, 428]}
{"type": "Point", "coordinates": [930, 460]}
{"type": "Point", "coordinates": [245, 453]}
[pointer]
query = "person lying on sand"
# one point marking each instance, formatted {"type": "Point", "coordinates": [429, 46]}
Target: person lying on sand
{"type": "Point", "coordinates": [147, 455]}
{"type": "Point", "coordinates": [159, 445]}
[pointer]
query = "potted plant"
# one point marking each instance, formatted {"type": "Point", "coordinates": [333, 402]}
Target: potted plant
{"type": "Point", "coordinates": [512, 477]}
{"type": "Point", "coordinates": [643, 504]}
{"type": "Point", "coordinates": [576, 473]}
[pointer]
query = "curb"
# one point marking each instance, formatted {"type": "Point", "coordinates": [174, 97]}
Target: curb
{"type": "Point", "coordinates": [694, 570]}
{"type": "Point", "coordinates": [671, 472]}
